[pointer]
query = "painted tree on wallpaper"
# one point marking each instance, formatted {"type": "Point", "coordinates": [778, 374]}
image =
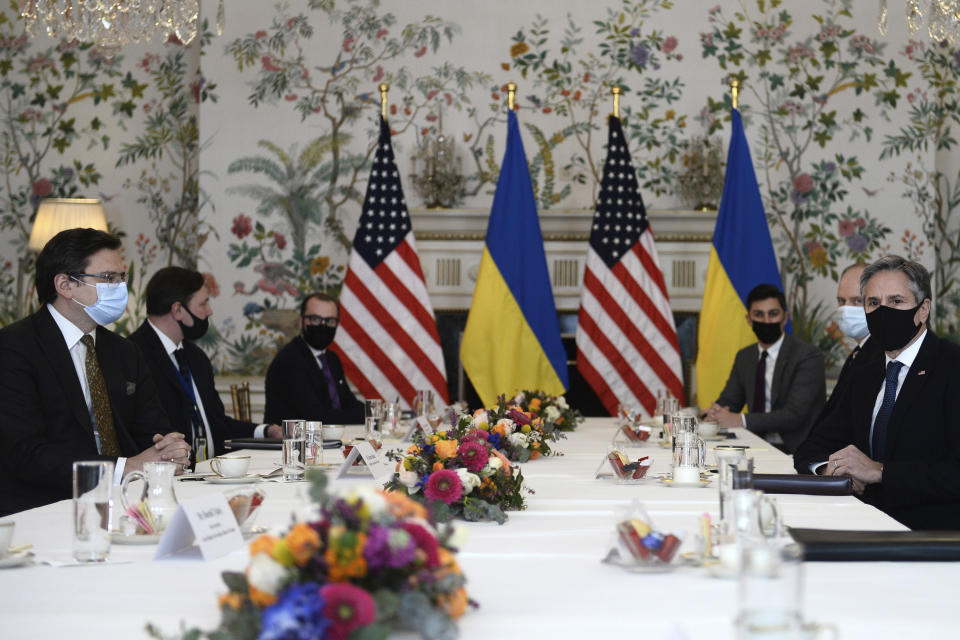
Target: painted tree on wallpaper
{"type": "Point", "coordinates": [301, 195]}
{"type": "Point", "coordinates": [572, 80]}
{"type": "Point", "coordinates": [791, 80]}
{"type": "Point", "coordinates": [935, 194]}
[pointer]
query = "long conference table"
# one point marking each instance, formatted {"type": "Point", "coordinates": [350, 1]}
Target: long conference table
{"type": "Point", "coordinates": [539, 574]}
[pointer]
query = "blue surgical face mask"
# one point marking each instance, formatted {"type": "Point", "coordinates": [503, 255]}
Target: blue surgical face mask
{"type": "Point", "coordinates": [111, 302]}
{"type": "Point", "coordinates": [853, 322]}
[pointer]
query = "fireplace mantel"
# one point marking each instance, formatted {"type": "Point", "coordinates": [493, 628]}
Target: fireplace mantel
{"type": "Point", "coordinates": [450, 243]}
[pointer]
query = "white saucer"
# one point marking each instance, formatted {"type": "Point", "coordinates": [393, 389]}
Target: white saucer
{"type": "Point", "coordinates": [716, 438]}
{"type": "Point", "coordinates": [722, 571]}
{"type": "Point", "coordinates": [240, 480]}
{"type": "Point", "coordinates": [16, 560]}
{"type": "Point", "coordinates": [670, 483]}
{"type": "Point", "coordinates": [119, 538]}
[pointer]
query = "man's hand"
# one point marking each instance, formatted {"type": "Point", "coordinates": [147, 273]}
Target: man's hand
{"type": "Point", "coordinates": [723, 416]}
{"type": "Point", "coordinates": [274, 431]}
{"type": "Point", "coordinates": [169, 448]}
{"type": "Point", "coordinates": [852, 462]}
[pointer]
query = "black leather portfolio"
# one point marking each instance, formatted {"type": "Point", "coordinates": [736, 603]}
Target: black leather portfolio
{"type": "Point", "coordinates": [872, 546]}
{"type": "Point", "coordinates": [810, 485]}
{"type": "Point", "coordinates": [269, 443]}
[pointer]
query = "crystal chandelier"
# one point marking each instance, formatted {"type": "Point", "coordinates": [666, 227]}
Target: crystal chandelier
{"type": "Point", "coordinates": [114, 23]}
{"type": "Point", "coordinates": [942, 18]}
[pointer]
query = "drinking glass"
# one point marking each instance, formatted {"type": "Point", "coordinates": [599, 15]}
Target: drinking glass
{"type": "Point", "coordinates": [294, 428]}
{"type": "Point", "coordinates": [294, 458]}
{"type": "Point", "coordinates": [423, 403]}
{"type": "Point", "coordinates": [751, 516]}
{"type": "Point", "coordinates": [314, 442]}
{"type": "Point", "coordinates": [730, 459]}
{"type": "Point", "coordinates": [373, 416]}
{"type": "Point", "coordinates": [92, 504]}
{"type": "Point", "coordinates": [689, 454]}
{"type": "Point", "coordinates": [683, 424]}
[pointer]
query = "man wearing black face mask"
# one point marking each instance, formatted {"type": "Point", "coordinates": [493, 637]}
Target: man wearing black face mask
{"type": "Point", "coordinates": [780, 379]}
{"type": "Point", "coordinates": [178, 312]}
{"type": "Point", "coordinates": [897, 430]}
{"type": "Point", "coordinates": [305, 379]}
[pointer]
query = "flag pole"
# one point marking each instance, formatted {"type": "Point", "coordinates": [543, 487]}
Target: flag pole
{"type": "Point", "coordinates": [511, 94]}
{"type": "Point", "coordinates": [735, 93]}
{"type": "Point", "coordinates": [384, 87]}
{"type": "Point", "coordinates": [616, 91]}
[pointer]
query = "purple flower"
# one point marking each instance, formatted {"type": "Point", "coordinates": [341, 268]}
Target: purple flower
{"type": "Point", "coordinates": [297, 614]}
{"type": "Point", "coordinates": [830, 167]}
{"type": "Point", "coordinates": [388, 548]}
{"type": "Point", "coordinates": [857, 243]}
{"type": "Point", "coordinates": [639, 55]}
{"type": "Point", "coordinates": [634, 32]}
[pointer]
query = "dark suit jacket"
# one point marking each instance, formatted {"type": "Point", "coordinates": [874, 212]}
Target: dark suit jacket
{"type": "Point", "coordinates": [45, 425]}
{"type": "Point", "coordinates": [174, 397]}
{"type": "Point", "coordinates": [919, 486]}
{"type": "Point", "coordinates": [297, 388]}
{"type": "Point", "coordinates": [796, 394]}
{"type": "Point", "coordinates": [869, 351]}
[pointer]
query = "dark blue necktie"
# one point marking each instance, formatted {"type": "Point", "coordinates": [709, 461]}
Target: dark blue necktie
{"type": "Point", "coordinates": [331, 383]}
{"type": "Point", "coordinates": [879, 440]}
{"type": "Point", "coordinates": [760, 385]}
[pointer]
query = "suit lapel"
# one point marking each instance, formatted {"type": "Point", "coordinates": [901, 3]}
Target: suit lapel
{"type": "Point", "coordinates": [55, 348]}
{"type": "Point", "coordinates": [916, 379]}
{"type": "Point", "coordinates": [865, 386]}
{"type": "Point", "coordinates": [160, 356]}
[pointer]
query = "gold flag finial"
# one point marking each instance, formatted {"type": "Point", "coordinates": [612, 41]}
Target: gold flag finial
{"type": "Point", "coordinates": [735, 93]}
{"type": "Point", "coordinates": [384, 87]}
{"type": "Point", "coordinates": [511, 95]}
{"type": "Point", "coordinates": [617, 92]}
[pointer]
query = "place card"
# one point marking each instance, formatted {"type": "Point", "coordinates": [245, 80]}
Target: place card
{"type": "Point", "coordinates": [365, 451]}
{"type": "Point", "coordinates": [207, 521]}
{"type": "Point", "coordinates": [420, 423]}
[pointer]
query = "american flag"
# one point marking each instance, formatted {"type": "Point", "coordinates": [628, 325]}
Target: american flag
{"type": "Point", "coordinates": [387, 340]}
{"type": "Point", "coordinates": [627, 347]}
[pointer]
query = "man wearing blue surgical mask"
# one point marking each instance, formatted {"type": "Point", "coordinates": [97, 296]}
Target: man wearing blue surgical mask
{"type": "Point", "coordinates": [70, 388]}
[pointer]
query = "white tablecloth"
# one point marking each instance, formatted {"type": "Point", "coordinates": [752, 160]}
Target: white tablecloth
{"type": "Point", "coordinates": [538, 574]}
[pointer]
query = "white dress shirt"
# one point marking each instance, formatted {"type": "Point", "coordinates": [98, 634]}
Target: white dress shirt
{"type": "Point", "coordinates": [78, 352]}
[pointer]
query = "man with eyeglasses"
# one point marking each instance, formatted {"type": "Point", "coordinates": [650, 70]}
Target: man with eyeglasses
{"type": "Point", "coordinates": [70, 388]}
{"type": "Point", "coordinates": [305, 379]}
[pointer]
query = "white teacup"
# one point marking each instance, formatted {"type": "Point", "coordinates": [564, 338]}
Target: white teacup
{"type": "Point", "coordinates": [709, 429]}
{"type": "Point", "coordinates": [333, 431]}
{"type": "Point", "coordinates": [230, 466]}
{"type": "Point", "coordinates": [683, 474]}
{"type": "Point", "coordinates": [6, 537]}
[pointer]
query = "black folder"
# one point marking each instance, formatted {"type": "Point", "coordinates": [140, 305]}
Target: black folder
{"type": "Point", "coordinates": [874, 546]}
{"type": "Point", "coordinates": [275, 444]}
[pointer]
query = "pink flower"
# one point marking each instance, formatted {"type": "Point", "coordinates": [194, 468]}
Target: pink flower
{"type": "Point", "coordinates": [242, 226]}
{"type": "Point", "coordinates": [669, 44]}
{"type": "Point", "coordinates": [381, 33]}
{"type": "Point", "coordinates": [426, 542]}
{"type": "Point", "coordinates": [268, 65]}
{"type": "Point", "coordinates": [847, 228]}
{"type": "Point", "coordinates": [379, 75]}
{"type": "Point", "coordinates": [443, 485]}
{"type": "Point", "coordinates": [280, 240]}
{"type": "Point", "coordinates": [347, 607]}
{"type": "Point", "coordinates": [213, 287]}
{"type": "Point", "coordinates": [290, 97]}
{"type": "Point", "coordinates": [260, 35]}
{"type": "Point", "coordinates": [803, 183]}
{"type": "Point", "coordinates": [42, 188]}
{"type": "Point", "coordinates": [419, 52]}
{"type": "Point", "coordinates": [347, 43]}
{"type": "Point", "coordinates": [473, 455]}
{"type": "Point", "coordinates": [518, 416]}
{"type": "Point", "coordinates": [476, 434]}
{"type": "Point", "coordinates": [860, 222]}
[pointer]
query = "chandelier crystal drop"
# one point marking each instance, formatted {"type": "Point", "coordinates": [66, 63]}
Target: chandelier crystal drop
{"type": "Point", "coordinates": [940, 17]}
{"type": "Point", "coordinates": [115, 23]}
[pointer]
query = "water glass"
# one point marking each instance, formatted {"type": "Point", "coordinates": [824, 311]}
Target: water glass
{"type": "Point", "coordinates": [294, 458]}
{"type": "Point", "coordinates": [423, 404]}
{"type": "Point", "coordinates": [92, 504]}
{"type": "Point", "coordinates": [373, 416]}
{"type": "Point", "coordinates": [314, 442]}
{"type": "Point", "coordinates": [294, 428]}
{"type": "Point", "coordinates": [751, 516]}
{"type": "Point", "coordinates": [689, 454]}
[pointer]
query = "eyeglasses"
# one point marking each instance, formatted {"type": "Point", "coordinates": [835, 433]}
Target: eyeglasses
{"type": "Point", "coordinates": [113, 277]}
{"type": "Point", "coordinates": [316, 321]}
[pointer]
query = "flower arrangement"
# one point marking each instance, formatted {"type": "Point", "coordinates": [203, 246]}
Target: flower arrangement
{"type": "Point", "coordinates": [554, 410]}
{"type": "Point", "coordinates": [369, 563]}
{"type": "Point", "coordinates": [461, 472]}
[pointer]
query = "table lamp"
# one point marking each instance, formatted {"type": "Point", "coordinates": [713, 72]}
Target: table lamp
{"type": "Point", "coordinates": [58, 214]}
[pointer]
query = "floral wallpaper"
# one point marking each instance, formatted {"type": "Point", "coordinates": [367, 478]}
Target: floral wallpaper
{"type": "Point", "coordinates": [246, 155]}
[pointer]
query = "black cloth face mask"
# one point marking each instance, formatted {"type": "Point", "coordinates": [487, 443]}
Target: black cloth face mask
{"type": "Point", "coordinates": [893, 328]}
{"type": "Point", "coordinates": [199, 328]}
{"type": "Point", "coordinates": [766, 332]}
{"type": "Point", "coordinates": [319, 336]}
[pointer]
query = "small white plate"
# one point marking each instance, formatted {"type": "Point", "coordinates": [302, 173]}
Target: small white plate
{"type": "Point", "coordinates": [716, 438]}
{"type": "Point", "coordinates": [722, 571]}
{"type": "Point", "coordinates": [670, 483]}
{"type": "Point", "coordinates": [16, 560]}
{"type": "Point", "coordinates": [240, 480]}
{"type": "Point", "coordinates": [119, 538]}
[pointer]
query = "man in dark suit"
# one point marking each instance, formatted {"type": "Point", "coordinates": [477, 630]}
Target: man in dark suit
{"type": "Point", "coordinates": [780, 378]}
{"type": "Point", "coordinates": [178, 312]}
{"type": "Point", "coordinates": [896, 431]}
{"type": "Point", "coordinates": [305, 379]}
{"type": "Point", "coordinates": [70, 389]}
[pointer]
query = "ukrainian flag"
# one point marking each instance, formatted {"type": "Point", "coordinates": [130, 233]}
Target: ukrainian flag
{"type": "Point", "coordinates": [512, 338]}
{"type": "Point", "coordinates": [741, 258]}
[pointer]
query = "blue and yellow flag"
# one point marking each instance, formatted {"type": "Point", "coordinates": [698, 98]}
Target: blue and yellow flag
{"type": "Point", "coordinates": [741, 258]}
{"type": "Point", "coordinates": [512, 338]}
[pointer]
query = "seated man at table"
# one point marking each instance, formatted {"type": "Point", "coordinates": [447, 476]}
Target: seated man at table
{"type": "Point", "coordinates": [780, 378]}
{"type": "Point", "coordinates": [71, 389]}
{"type": "Point", "coordinates": [305, 379]}
{"type": "Point", "coordinates": [178, 312]}
{"type": "Point", "coordinates": [896, 430]}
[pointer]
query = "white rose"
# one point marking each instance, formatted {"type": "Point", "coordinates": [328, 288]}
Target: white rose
{"type": "Point", "coordinates": [458, 538]}
{"type": "Point", "coordinates": [520, 397]}
{"type": "Point", "coordinates": [492, 466]}
{"type": "Point", "coordinates": [409, 479]}
{"type": "Point", "coordinates": [562, 403]}
{"type": "Point", "coordinates": [480, 416]}
{"type": "Point", "coordinates": [518, 439]}
{"type": "Point", "coordinates": [508, 425]}
{"type": "Point", "coordinates": [470, 481]}
{"type": "Point", "coordinates": [551, 413]}
{"type": "Point", "coordinates": [266, 574]}
{"type": "Point", "coordinates": [374, 502]}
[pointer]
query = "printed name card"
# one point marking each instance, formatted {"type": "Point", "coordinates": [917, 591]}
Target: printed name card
{"type": "Point", "coordinates": [207, 521]}
{"type": "Point", "coordinates": [420, 423]}
{"type": "Point", "coordinates": [365, 451]}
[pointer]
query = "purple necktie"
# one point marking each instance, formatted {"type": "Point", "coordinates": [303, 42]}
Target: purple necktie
{"type": "Point", "coordinates": [331, 383]}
